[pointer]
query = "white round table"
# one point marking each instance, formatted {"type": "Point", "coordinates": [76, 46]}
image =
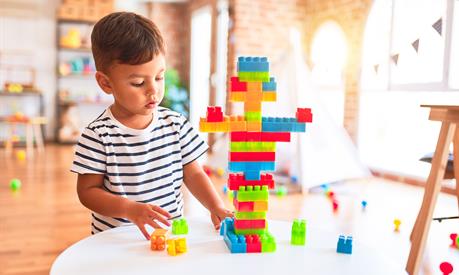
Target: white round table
{"type": "Point", "coordinates": [123, 250]}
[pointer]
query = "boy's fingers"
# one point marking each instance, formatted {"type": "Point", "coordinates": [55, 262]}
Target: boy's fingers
{"type": "Point", "coordinates": [160, 218]}
{"type": "Point", "coordinates": [216, 221]}
{"type": "Point", "coordinates": [153, 224]}
{"type": "Point", "coordinates": [144, 231]}
{"type": "Point", "coordinates": [161, 211]}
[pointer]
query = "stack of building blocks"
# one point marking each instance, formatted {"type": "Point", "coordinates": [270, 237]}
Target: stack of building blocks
{"type": "Point", "coordinates": [252, 150]}
{"type": "Point", "coordinates": [344, 245]}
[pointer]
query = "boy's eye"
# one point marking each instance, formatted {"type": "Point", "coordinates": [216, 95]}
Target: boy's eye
{"type": "Point", "coordinates": [138, 84]}
{"type": "Point", "coordinates": [159, 78]}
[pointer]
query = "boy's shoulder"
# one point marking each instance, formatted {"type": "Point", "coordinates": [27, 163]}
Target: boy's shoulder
{"type": "Point", "coordinates": [169, 115]}
{"type": "Point", "coordinates": [102, 122]}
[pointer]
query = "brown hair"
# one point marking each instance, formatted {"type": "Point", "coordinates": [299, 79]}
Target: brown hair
{"type": "Point", "coordinates": [125, 37]}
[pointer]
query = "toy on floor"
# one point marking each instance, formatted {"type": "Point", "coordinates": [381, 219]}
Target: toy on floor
{"type": "Point", "coordinates": [298, 232]}
{"type": "Point", "coordinates": [21, 155]}
{"type": "Point", "coordinates": [176, 246]}
{"type": "Point", "coordinates": [281, 191]}
{"type": "Point", "coordinates": [446, 268]}
{"type": "Point", "coordinates": [179, 227]}
{"type": "Point", "coordinates": [364, 205]}
{"type": "Point", "coordinates": [397, 223]}
{"type": "Point", "coordinates": [454, 239]}
{"type": "Point", "coordinates": [158, 239]}
{"type": "Point", "coordinates": [15, 184]}
{"type": "Point", "coordinates": [335, 205]}
{"type": "Point", "coordinates": [252, 150]}
{"type": "Point", "coordinates": [344, 245]}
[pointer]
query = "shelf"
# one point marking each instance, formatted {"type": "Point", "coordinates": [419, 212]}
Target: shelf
{"type": "Point", "coordinates": [72, 76]}
{"type": "Point", "coordinates": [80, 50]}
{"type": "Point", "coordinates": [75, 21]}
{"type": "Point", "coordinates": [67, 103]}
{"type": "Point", "coordinates": [25, 93]}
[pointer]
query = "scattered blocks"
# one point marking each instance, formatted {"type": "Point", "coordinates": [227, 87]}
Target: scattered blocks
{"type": "Point", "coordinates": [179, 227]}
{"type": "Point", "coordinates": [158, 239]}
{"type": "Point", "coordinates": [15, 184]}
{"type": "Point", "coordinates": [453, 237]}
{"type": "Point", "coordinates": [397, 223]}
{"type": "Point", "coordinates": [344, 245]}
{"type": "Point", "coordinates": [446, 268]}
{"type": "Point", "coordinates": [281, 191]}
{"type": "Point", "coordinates": [364, 205]}
{"type": "Point", "coordinates": [298, 232]}
{"type": "Point", "coordinates": [176, 246]}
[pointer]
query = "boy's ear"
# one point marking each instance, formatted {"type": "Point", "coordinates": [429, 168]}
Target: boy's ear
{"type": "Point", "coordinates": [104, 82]}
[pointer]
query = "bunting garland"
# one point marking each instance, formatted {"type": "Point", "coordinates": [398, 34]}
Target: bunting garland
{"type": "Point", "coordinates": [437, 26]}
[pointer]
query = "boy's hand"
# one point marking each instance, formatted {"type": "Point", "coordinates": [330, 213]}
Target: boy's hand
{"type": "Point", "coordinates": [218, 215]}
{"type": "Point", "coordinates": [143, 213]}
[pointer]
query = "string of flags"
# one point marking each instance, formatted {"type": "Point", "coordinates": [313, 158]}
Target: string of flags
{"type": "Point", "coordinates": [437, 26]}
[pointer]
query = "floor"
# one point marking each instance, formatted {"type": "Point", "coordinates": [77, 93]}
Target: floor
{"type": "Point", "coordinates": [44, 217]}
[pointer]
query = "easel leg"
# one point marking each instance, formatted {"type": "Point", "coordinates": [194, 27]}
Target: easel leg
{"type": "Point", "coordinates": [432, 189]}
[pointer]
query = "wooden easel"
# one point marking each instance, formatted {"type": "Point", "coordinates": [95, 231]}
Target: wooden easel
{"type": "Point", "coordinates": [449, 132]}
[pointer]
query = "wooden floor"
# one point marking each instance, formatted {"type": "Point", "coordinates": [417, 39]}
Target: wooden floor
{"type": "Point", "coordinates": [45, 217]}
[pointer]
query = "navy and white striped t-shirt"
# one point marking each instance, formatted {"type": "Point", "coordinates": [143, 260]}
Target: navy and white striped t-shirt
{"type": "Point", "coordinates": [142, 165]}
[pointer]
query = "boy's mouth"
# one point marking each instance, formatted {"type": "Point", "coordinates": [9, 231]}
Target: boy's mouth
{"type": "Point", "coordinates": [151, 104]}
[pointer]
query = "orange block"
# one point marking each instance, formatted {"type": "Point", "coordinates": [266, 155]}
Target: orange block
{"type": "Point", "coordinates": [237, 124]}
{"type": "Point", "coordinates": [254, 87]}
{"type": "Point", "coordinates": [269, 96]}
{"type": "Point", "coordinates": [254, 126]}
{"type": "Point", "coordinates": [252, 106]}
{"type": "Point", "coordinates": [237, 96]}
{"type": "Point", "coordinates": [253, 96]}
{"type": "Point", "coordinates": [260, 206]}
{"type": "Point", "coordinates": [158, 239]}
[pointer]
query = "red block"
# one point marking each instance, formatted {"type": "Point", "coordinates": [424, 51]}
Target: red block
{"type": "Point", "coordinates": [249, 224]}
{"type": "Point", "coordinates": [303, 115]}
{"type": "Point", "coordinates": [252, 156]}
{"type": "Point", "coordinates": [275, 136]}
{"type": "Point", "coordinates": [238, 136]}
{"type": "Point", "coordinates": [253, 243]}
{"type": "Point", "coordinates": [245, 206]}
{"type": "Point", "coordinates": [238, 86]}
{"type": "Point", "coordinates": [214, 114]}
{"type": "Point", "coordinates": [236, 180]}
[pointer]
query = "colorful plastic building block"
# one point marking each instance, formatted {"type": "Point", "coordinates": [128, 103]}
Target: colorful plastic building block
{"type": "Point", "coordinates": [446, 268]}
{"type": "Point", "coordinates": [249, 224]}
{"type": "Point", "coordinates": [252, 64]}
{"type": "Point", "coordinates": [303, 115]}
{"type": "Point", "coordinates": [235, 243]}
{"type": "Point", "coordinates": [252, 193]}
{"type": "Point", "coordinates": [397, 223]}
{"type": "Point", "coordinates": [255, 206]}
{"type": "Point", "coordinates": [158, 239]}
{"type": "Point", "coordinates": [176, 246]}
{"type": "Point", "coordinates": [344, 245]}
{"type": "Point", "coordinates": [253, 244]}
{"type": "Point", "coordinates": [179, 227]}
{"type": "Point", "coordinates": [281, 191]}
{"type": "Point", "coordinates": [270, 86]}
{"type": "Point", "coordinates": [268, 243]}
{"type": "Point", "coordinates": [364, 205]}
{"type": "Point", "coordinates": [241, 166]}
{"type": "Point", "coordinates": [214, 114]}
{"type": "Point", "coordinates": [237, 180]}
{"type": "Point", "coordinates": [252, 156]}
{"type": "Point", "coordinates": [453, 237]}
{"type": "Point", "coordinates": [298, 232]}
{"type": "Point", "coordinates": [238, 86]}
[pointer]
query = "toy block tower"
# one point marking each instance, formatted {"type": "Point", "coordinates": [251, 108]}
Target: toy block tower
{"type": "Point", "coordinates": [252, 150]}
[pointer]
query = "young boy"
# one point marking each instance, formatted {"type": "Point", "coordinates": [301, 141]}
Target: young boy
{"type": "Point", "coordinates": [131, 161]}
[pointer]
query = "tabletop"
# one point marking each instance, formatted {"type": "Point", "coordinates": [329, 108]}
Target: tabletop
{"type": "Point", "coordinates": [124, 251]}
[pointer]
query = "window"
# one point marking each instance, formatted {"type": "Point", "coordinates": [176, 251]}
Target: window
{"type": "Point", "coordinates": [403, 50]}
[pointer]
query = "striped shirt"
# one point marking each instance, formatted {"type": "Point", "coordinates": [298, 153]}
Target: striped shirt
{"type": "Point", "coordinates": [141, 165]}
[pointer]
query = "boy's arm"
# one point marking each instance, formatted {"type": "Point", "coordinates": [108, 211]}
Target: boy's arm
{"type": "Point", "coordinates": [92, 195]}
{"type": "Point", "coordinates": [202, 188]}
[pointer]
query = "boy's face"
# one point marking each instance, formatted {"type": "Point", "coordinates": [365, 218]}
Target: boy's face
{"type": "Point", "coordinates": [137, 89]}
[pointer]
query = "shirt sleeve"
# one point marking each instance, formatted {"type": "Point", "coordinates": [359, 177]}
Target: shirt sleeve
{"type": "Point", "coordinates": [192, 145]}
{"type": "Point", "coordinates": [90, 156]}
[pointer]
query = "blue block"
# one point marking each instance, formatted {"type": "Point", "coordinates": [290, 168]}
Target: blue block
{"type": "Point", "coordinates": [235, 243]}
{"type": "Point", "coordinates": [270, 86]}
{"type": "Point", "coordinates": [344, 245]}
{"type": "Point", "coordinates": [243, 166]}
{"type": "Point", "coordinates": [299, 127]}
{"type": "Point", "coordinates": [252, 64]}
{"type": "Point", "coordinates": [252, 175]}
{"type": "Point", "coordinates": [227, 226]}
{"type": "Point", "coordinates": [278, 124]}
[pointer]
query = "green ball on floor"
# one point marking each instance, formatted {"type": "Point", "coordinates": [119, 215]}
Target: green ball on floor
{"type": "Point", "coordinates": [15, 184]}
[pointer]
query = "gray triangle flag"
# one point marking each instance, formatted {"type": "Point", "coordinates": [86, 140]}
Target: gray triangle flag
{"type": "Point", "coordinates": [395, 58]}
{"type": "Point", "coordinates": [415, 44]}
{"type": "Point", "coordinates": [376, 67]}
{"type": "Point", "coordinates": [438, 25]}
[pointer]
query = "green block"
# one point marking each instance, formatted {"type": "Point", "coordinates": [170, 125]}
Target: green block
{"type": "Point", "coordinates": [268, 243]}
{"type": "Point", "coordinates": [252, 146]}
{"type": "Point", "coordinates": [253, 76]}
{"type": "Point", "coordinates": [252, 193]}
{"type": "Point", "coordinates": [281, 191]}
{"type": "Point", "coordinates": [457, 242]}
{"type": "Point", "coordinates": [15, 184]}
{"type": "Point", "coordinates": [298, 232]}
{"type": "Point", "coordinates": [253, 116]}
{"type": "Point", "coordinates": [250, 215]}
{"type": "Point", "coordinates": [250, 231]}
{"type": "Point", "coordinates": [179, 227]}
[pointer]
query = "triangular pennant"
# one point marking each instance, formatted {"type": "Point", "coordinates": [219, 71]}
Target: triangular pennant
{"type": "Point", "coordinates": [415, 45]}
{"type": "Point", "coordinates": [395, 58]}
{"type": "Point", "coordinates": [438, 25]}
{"type": "Point", "coordinates": [376, 67]}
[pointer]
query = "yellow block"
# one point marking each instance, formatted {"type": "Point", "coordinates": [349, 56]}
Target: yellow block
{"type": "Point", "coordinates": [254, 126]}
{"type": "Point", "coordinates": [237, 96]}
{"type": "Point", "coordinates": [212, 127]}
{"type": "Point", "coordinates": [269, 96]}
{"type": "Point", "coordinates": [176, 246]}
{"type": "Point", "coordinates": [260, 206]}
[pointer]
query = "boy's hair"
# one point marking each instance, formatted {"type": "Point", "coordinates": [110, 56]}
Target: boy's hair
{"type": "Point", "coordinates": [125, 37]}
